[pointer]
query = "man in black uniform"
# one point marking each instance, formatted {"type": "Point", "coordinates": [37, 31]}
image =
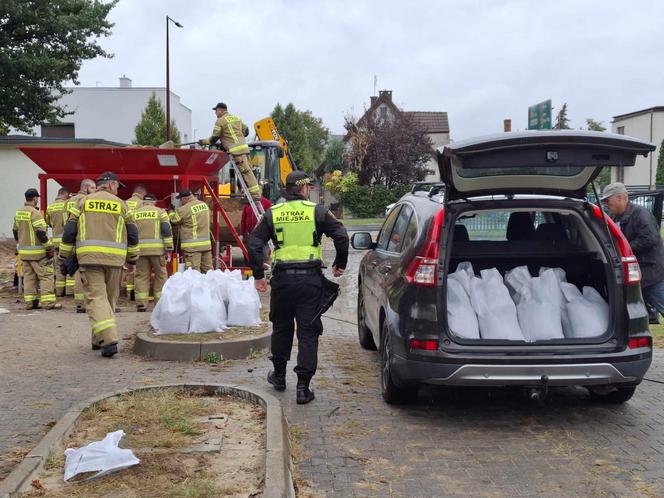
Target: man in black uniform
{"type": "Point", "coordinates": [296, 227]}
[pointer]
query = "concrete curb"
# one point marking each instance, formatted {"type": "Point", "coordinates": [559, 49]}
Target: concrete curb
{"type": "Point", "coordinates": [278, 464]}
{"type": "Point", "coordinates": [236, 349]}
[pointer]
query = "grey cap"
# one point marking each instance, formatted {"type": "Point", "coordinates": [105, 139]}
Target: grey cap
{"type": "Point", "coordinates": [613, 189]}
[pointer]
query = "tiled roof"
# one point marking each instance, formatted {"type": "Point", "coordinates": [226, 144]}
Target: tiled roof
{"type": "Point", "coordinates": [432, 122]}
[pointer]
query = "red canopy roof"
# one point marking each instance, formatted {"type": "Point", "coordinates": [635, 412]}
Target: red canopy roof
{"type": "Point", "coordinates": [155, 168]}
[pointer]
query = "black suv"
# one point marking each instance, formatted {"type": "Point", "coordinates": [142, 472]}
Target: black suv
{"type": "Point", "coordinates": [506, 201]}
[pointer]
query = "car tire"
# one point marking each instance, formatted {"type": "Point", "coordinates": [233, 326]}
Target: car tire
{"type": "Point", "coordinates": [615, 397]}
{"type": "Point", "coordinates": [363, 332]}
{"type": "Point", "coordinates": [392, 394]}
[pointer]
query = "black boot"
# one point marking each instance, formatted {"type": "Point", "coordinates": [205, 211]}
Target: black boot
{"type": "Point", "coordinates": [278, 380]}
{"type": "Point", "coordinates": [110, 350]}
{"type": "Point", "coordinates": [95, 347]}
{"type": "Point", "coordinates": [80, 308]}
{"type": "Point", "coordinates": [304, 394]}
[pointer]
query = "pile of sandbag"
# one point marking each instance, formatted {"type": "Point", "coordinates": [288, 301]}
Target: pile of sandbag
{"type": "Point", "coordinates": [520, 307]}
{"type": "Point", "coordinates": [192, 302]}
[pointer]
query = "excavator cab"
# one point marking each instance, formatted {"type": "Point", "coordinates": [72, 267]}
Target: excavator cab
{"type": "Point", "coordinates": [265, 157]}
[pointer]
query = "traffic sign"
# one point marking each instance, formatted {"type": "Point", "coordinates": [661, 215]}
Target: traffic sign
{"type": "Point", "coordinates": [539, 116]}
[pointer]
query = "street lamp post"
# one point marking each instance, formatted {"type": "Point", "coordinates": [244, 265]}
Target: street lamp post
{"type": "Point", "coordinates": [168, 81]}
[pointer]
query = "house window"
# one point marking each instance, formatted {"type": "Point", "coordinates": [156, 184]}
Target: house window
{"type": "Point", "coordinates": [621, 130]}
{"type": "Point", "coordinates": [60, 130]}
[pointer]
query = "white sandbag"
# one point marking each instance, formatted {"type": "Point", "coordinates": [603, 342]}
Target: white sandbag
{"type": "Point", "coordinates": [496, 312]}
{"type": "Point", "coordinates": [103, 457]}
{"type": "Point", "coordinates": [463, 274]}
{"type": "Point", "coordinates": [588, 313]}
{"type": "Point", "coordinates": [539, 310]}
{"type": "Point", "coordinates": [461, 317]}
{"type": "Point", "coordinates": [560, 273]}
{"type": "Point", "coordinates": [516, 279]}
{"type": "Point", "coordinates": [244, 303]}
{"type": "Point", "coordinates": [172, 312]}
{"type": "Point", "coordinates": [208, 311]}
{"type": "Point", "coordinates": [221, 281]}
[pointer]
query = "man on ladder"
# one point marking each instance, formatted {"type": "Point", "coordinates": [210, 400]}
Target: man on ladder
{"type": "Point", "coordinates": [230, 130]}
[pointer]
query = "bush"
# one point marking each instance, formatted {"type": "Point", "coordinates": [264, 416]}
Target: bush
{"type": "Point", "coordinates": [370, 202]}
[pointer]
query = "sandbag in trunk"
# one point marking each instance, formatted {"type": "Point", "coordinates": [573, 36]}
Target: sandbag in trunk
{"type": "Point", "coordinates": [538, 308]}
{"type": "Point", "coordinates": [588, 312]}
{"type": "Point", "coordinates": [461, 317]}
{"type": "Point", "coordinates": [496, 312]}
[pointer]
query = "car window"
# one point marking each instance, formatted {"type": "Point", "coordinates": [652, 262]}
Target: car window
{"type": "Point", "coordinates": [511, 225]}
{"type": "Point", "coordinates": [384, 235]}
{"type": "Point", "coordinates": [411, 233]}
{"type": "Point", "coordinates": [399, 231]}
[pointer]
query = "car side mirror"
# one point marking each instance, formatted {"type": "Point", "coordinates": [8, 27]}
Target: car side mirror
{"type": "Point", "coordinates": [361, 241]}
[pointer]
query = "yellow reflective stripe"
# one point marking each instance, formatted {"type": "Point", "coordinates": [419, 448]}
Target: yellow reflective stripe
{"type": "Point", "coordinates": [151, 245]}
{"type": "Point", "coordinates": [118, 230]}
{"type": "Point", "coordinates": [103, 325]}
{"type": "Point", "coordinates": [196, 244]}
{"type": "Point", "coordinates": [168, 241]}
{"type": "Point", "coordinates": [132, 250]}
{"type": "Point", "coordinates": [73, 210]}
{"type": "Point", "coordinates": [29, 297]}
{"type": "Point", "coordinates": [40, 224]}
{"type": "Point", "coordinates": [47, 298]}
{"type": "Point", "coordinates": [239, 149]}
{"type": "Point", "coordinates": [175, 217]}
{"type": "Point", "coordinates": [56, 240]}
{"type": "Point", "coordinates": [60, 283]}
{"type": "Point", "coordinates": [142, 295]}
{"type": "Point", "coordinates": [231, 130]}
{"type": "Point", "coordinates": [101, 249]}
{"type": "Point", "coordinates": [79, 297]}
{"type": "Point", "coordinates": [81, 227]}
{"type": "Point", "coordinates": [28, 252]}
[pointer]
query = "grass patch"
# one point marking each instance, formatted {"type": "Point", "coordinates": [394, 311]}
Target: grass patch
{"type": "Point", "coordinates": [212, 358]}
{"type": "Point", "coordinates": [362, 221]}
{"type": "Point", "coordinates": [657, 332]}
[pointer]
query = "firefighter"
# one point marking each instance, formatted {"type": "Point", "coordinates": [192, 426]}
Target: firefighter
{"type": "Point", "coordinates": [155, 243]}
{"type": "Point", "coordinates": [73, 284]}
{"type": "Point", "coordinates": [296, 227]}
{"type": "Point", "coordinates": [55, 218]}
{"type": "Point", "coordinates": [231, 131]}
{"type": "Point", "coordinates": [36, 253]}
{"type": "Point", "coordinates": [105, 238]}
{"type": "Point", "coordinates": [133, 203]}
{"type": "Point", "coordinates": [193, 218]}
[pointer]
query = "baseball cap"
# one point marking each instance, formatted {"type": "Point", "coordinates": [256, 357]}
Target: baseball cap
{"type": "Point", "coordinates": [184, 193]}
{"type": "Point", "coordinates": [149, 197]}
{"type": "Point", "coordinates": [31, 193]}
{"type": "Point", "coordinates": [109, 176]}
{"type": "Point", "coordinates": [297, 178]}
{"type": "Point", "coordinates": [220, 105]}
{"type": "Point", "coordinates": [612, 189]}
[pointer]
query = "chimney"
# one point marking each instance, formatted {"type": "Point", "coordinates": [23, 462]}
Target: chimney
{"type": "Point", "coordinates": [125, 82]}
{"type": "Point", "coordinates": [507, 125]}
{"type": "Point", "coordinates": [386, 93]}
{"type": "Point", "coordinates": [373, 99]}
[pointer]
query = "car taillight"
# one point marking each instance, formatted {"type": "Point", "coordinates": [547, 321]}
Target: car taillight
{"type": "Point", "coordinates": [631, 269]}
{"type": "Point", "coordinates": [423, 270]}
{"type": "Point", "coordinates": [425, 344]}
{"type": "Point", "coordinates": [639, 342]}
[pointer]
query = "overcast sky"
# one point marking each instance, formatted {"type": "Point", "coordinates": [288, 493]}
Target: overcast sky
{"type": "Point", "coordinates": [480, 61]}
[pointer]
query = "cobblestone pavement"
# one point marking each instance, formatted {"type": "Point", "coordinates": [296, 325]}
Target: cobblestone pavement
{"type": "Point", "coordinates": [453, 443]}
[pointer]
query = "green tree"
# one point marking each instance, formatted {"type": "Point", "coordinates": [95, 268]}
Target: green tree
{"type": "Point", "coordinates": [562, 121]}
{"type": "Point", "coordinates": [305, 134]}
{"type": "Point", "coordinates": [604, 177]}
{"type": "Point", "coordinates": [151, 129]}
{"type": "Point", "coordinates": [659, 179]}
{"type": "Point", "coordinates": [42, 46]}
{"type": "Point", "coordinates": [334, 155]}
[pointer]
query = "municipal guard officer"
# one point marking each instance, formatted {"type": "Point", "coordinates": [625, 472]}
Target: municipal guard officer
{"type": "Point", "coordinates": [133, 203]}
{"type": "Point", "coordinates": [193, 217]}
{"type": "Point", "coordinates": [155, 243]}
{"type": "Point", "coordinates": [296, 227]}
{"type": "Point", "coordinates": [105, 238]}
{"type": "Point", "coordinates": [36, 253]}
{"type": "Point", "coordinates": [231, 131]}
{"type": "Point", "coordinates": [73, 284]}
{"type": "Point", "coordinates": [55, 218]}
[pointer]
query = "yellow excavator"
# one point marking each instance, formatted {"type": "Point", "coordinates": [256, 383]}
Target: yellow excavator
{"type": "Point", "coordinates": [270, 158]}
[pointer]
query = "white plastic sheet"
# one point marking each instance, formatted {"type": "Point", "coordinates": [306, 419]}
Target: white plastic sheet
{"type": "Point", "coordinates": [461, 317]}
{"type": "Point", "coordinates": [588, 312]}
{"type": "Point", "coordinates": [496, 312]}
{"type": "Point", "coordinates": [103, 457]}
{"type": "Point", "coordinates": [244, 303]}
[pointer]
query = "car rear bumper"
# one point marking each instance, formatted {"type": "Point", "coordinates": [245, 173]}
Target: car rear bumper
{"type": "Point", "coordinates": [408, 371]}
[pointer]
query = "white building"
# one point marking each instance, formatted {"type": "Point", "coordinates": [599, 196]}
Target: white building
{"type": "Point", "coordinates": [112, 113]}
{"type": "Point", "coordinates": [647, 124]}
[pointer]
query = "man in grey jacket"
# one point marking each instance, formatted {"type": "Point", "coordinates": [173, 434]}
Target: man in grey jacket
{"type": "Point", "coordinates": [642, 232]}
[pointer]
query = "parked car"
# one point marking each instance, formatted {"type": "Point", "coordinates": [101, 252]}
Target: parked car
{"type": "Point", "coordinates": [507, 200]}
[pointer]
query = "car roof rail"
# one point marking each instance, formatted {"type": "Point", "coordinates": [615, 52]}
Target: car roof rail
{"type": "Point", "coordinates": [418, 186]}
{"type": "Point", "coordinates": [436, 189]}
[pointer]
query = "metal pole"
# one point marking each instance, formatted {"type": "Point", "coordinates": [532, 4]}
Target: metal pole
{"type": "Point", "coordinates": [168, 89]}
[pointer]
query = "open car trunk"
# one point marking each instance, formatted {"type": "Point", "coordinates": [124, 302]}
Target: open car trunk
{"type": "Point", "coordinates": [498, 259]}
